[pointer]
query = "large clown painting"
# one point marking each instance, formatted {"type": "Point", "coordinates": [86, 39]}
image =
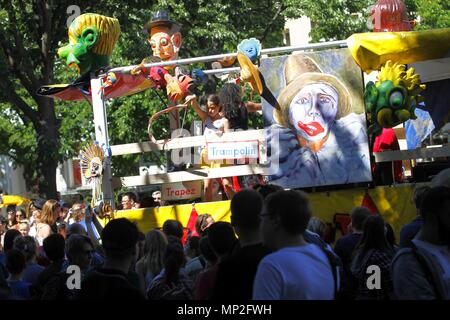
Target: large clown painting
{"type": "Point", "coordinates": [316, 132]}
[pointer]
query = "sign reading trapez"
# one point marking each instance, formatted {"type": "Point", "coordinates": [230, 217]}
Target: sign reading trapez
{"type": "Point", "coordinates": [181, 190]}
{"type": "Point", "coordinates": [233, 150]}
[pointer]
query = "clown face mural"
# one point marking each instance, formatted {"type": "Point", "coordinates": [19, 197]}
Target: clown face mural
{"type": "Point", "coordinates": [91, 40]}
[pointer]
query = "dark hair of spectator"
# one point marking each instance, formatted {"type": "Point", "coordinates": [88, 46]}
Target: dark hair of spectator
{"type": "Point", "coordinates": [193, 243]}
{"type": "Point", "coordinates": [27, 245]}
{"type": "Point", "coordinates": [359, 216]}
{"type": "Point", "coordinates": [390, 235]}
{"type": "Point", "coordinates": [119, 238]}
{"type": "Point", "coordinates": [293, 209]}
{"type": "Point", "coordinates": [246, 206]}
{"type": "Point", "coordinates": [206, 250]}
{"type": "Point", "coordinates": [173, 228]}
{"type": "Point", "coordinates": [8, 240]}
{"type": "Point", "coordinates": [174, 259]}
{"type": "Point", "coordinates": [265, 189]}
{"type": "Point", "coordinates": [54, 246]}
{"type": "Point", "coordinates": [232, 106]}
{"type": "Point", "coordinates": [419, 194]}
{"type": "Point", "coordinates": [221, 237]}
{"type": "Point", "coordinates": [434, 201]}
{"type": "Point", "coordinates": [201, 223]}
{"type": "Point", "coordinates": [15, 261]}
{"type": "Point", "coordinates": [214, 98]}
{"type": "Point", "coordinates": [374, 236]}
{"type": "Point", "coordinates": [130, 195]}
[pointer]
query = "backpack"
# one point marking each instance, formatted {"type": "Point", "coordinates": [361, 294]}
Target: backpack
{"type": "Point", "coordinates": [161, 290]}
{"type": "Point", "coordinates": [335, 261]}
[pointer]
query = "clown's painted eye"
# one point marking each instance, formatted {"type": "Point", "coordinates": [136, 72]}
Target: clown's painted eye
{"type": "Point", "coordinates": [164, 42]}
{"type": "Point", "coordinates": [396, 99]}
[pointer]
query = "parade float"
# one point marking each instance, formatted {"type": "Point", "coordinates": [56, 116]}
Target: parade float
{"type": "Point", "coordinates": [319, 117]}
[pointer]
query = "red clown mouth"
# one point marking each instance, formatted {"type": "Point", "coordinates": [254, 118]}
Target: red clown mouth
{"type": "Point", "coordinates": [311, 129]}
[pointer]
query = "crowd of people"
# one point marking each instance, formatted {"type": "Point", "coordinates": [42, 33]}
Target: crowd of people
{"type": "Point", "coordinates": [268, 251]}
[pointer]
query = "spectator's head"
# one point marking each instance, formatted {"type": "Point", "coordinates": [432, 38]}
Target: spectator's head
{"type": "Point", "coordinates": [221, 238]}
{"type": "Point", "coordinates": [374, 235]}
{"type": "Point", "coordinates": [147, 202]}
{"type": "Point", "coordinates": [435, 210]}
{"type": "Point", "coordinates": [154, 251]}
{"type": "Point", "coordinates": [285, 215]}
{"type": "Point", "coordinates": [316, 225]}
{"type": "Point", "coordinates": [174, 259]}
{"type": "Point", "coordinates": [359, 216]}
{"type": "Point", "coordinates": [79, 250]}
{"type": "Point", "coordinates": [119, 239]}
{"type": "Point", "coordinates": [11, 212]}
{"type": "Point", "coordinates": [173, 228]}
{"type": "Point", "coordinates": [15, 262]}
{"type": "Point", "coordinates": [192, 249]}
{"type": "Point", "coordinates": [3, 223]}
{"type": "Point", "coordinates": [265, 189]}
{"type": "Point", "coordinates": [390, 235]}
{"type": "Point", "coordinates": [246, 208]}
{"type": "Point", "coordinates": [203, 222]}
{"type": "Point", "coordinates": [21, 214]}
{"type": "Point", "coordinates": [28, 246]}
{"type": "Point", "coordinates": [8, 240]}
{"type": "Point", "coordinates": [50, 212]}
{"type": "Point", "coordinates": [24, 227]}
{"type": "Point", "coordinates": [206, 251]}
{"type": "Point", "coordinates": [418, 195]}
{"type": "Point", "coordinates": [65, 208]}
{"type": "Point", "coordinates": [157, 198]}
{"type": "Point", "coordinates": [54, 246]}
{"type": "Point", "coordinates": [75, 228]}
{"type": "Point", "coordinates": [128, 200]}
{"type": "Point", "coordinates": [77, 212]}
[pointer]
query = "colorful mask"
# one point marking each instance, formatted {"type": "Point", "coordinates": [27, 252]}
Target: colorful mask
{"type": "Point", "coordinates": [251, 48]}
{"type": "Point", "coordinates": [178, 87]}
{"type": "Point", "coordinates": [392, 99]}
{"type": "Point", "coordinates": [92, 38]}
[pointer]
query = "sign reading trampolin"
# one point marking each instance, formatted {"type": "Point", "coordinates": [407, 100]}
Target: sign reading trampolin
{"type": "Point", "coordinates": [233, 150]}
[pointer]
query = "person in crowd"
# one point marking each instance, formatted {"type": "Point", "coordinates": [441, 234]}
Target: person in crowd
{"type": "Point", "coordinates": [205, 279]}
{"type": "Point", "coordinates": [151, 264]}
{"type": "Point", "coordinates": [79, 250]}
{"type": "Point", "coordinates": [112, 280]}
{"type": "Point", "coordinates": [317, 226]}
{"type": "Point", "coordinates": [20, 215]}
{"type": "Point", "coordinates": [28, 246]}
{"type": "Point", "coordinates": [3, 229]}
{"type": "Point", "coordinates": [222, 240]}
{"type": "Point", "coordinates": [390, 237]}
{"type": "Point", "coordinates": [172, 283]}
{"type": "Point", "coordinates": [373, 249]}
{"type": "Point", "coordinates": [296, 270]}
{"type": "Point", "coordinates": [156, 195]}
{"type": "Point", "coordinates": [265, 189]}
{"type": "Point", "coordinates": [236, 273]}
{"type": "Point", "coordinates": [24, 227]}
{"type": "Point", "coordinates": [422, 271]}
{"type": "Point", "coordinates": [203, 222]}
{"type": "Point", "coordinates": [49, 216]}
{"type": "Point", "coordinates": [8, 244]}
{"type": "Point", "coordinates": [196, 263]}
{"type": "Point", "coordinates": [15, 264]}
{"type": "Point", "coordinates": [35, 212]}
{"type": "Point", "coordinates": [54, 246]}
{"type": "Point", "coordinates": [128, 200]}
{"type": "Point", "coordinates": [409, 231]}
{"type": "Point", "coordinates": [12, 220]}
{"type": "Point", "coordinates": [346, 245]}
{"type": "Point", "coordinates": [173, 228]}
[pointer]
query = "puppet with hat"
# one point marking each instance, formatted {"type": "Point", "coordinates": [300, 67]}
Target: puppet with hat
{"type": "Point", "coordinates": [92, 38]}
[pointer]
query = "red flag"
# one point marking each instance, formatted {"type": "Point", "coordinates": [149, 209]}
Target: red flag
{"type": "Point", "coordinates": [369, 204]}
{"type": "Point", "coordinates": [191, 225]}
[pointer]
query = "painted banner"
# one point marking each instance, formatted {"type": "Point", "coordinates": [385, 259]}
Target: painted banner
{"type": "Point", "coordinates": [316, 135]}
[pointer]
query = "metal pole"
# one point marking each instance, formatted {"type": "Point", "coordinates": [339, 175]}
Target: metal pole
{"type": "Point", "coordinates": [101, 136]}
{"type": "Point", "coordinates": [320, 45]}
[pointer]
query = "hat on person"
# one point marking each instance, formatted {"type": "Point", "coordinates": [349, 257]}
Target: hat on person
{"type": "Point", "coordinates": [39, 203]}
{"type": "Point", "coordinates": [161, 19]}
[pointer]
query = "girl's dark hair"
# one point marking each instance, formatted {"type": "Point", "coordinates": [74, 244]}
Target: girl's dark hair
{"type": "Point", "coordinates": [8, 240]}
{"type": "Point", "coordinates": [174, 259]}
{"type": "Point", "coordinates": [374, 236]}
{"type": "Point", "coordinates": [214, 98]}
{"type": "Point", "coordinates": [232, 106]}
